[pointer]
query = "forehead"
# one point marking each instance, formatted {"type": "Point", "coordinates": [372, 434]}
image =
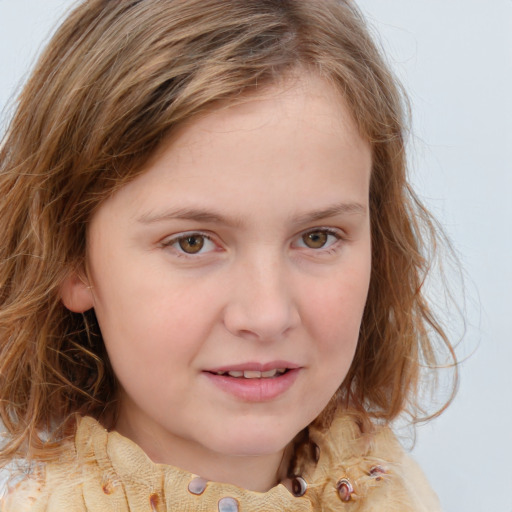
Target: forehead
{"type": "Point", "coordinates": [285, 147]}
{"type": "Point", "coordinates": [299, 105]}
{"type": "Point", "coordinates": [300, 97]}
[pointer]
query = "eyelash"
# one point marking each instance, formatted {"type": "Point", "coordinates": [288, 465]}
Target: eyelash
{"type": "Point", "coordinates": [330, 249]}
{"type": "Point", "coordinates": [183, 236]}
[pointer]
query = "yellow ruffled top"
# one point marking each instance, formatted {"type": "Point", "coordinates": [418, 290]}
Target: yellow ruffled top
{"type": "Point", "coordinates": [105, 472]}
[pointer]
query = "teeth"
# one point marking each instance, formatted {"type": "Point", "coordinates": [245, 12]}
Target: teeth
{"type": "Point", "coordinates": [254, 374]}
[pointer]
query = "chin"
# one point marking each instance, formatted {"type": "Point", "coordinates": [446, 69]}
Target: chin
{"type": "Point", "coordinates": [253, 442]}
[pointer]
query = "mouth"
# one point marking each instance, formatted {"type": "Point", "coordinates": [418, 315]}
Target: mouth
{"type": "Point", "coordinates": [252, 382]}
{"type": "Point", "coordinates": [253, 374]}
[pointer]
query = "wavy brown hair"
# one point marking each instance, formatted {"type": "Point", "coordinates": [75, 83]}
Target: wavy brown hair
{"type": "Point", "coordinates": [116, 79]}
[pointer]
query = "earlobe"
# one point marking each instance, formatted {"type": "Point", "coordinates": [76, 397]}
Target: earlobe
{"type": "Point", "coordinates": [76, 293]}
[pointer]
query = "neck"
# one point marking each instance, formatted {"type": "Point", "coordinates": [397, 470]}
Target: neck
{"type": "Point", "coordinates": [254, 472]}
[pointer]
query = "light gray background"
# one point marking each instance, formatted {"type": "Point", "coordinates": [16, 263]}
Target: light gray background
{"type": "Point", "coordinates": [455, 58]}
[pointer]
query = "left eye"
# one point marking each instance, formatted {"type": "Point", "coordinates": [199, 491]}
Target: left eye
{"type": "Point", "coordinates": [318, 239]}
{"type": "Point", "coordinates": [191, 243]}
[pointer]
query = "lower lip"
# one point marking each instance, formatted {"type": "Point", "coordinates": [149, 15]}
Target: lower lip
{"type": "Point", "coordinates": [255, 390]}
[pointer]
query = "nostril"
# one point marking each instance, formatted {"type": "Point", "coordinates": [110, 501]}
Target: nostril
{"type": "Point", "coordinates": [245, 333]}
{"type": "Point", "coordinates": [259, 322]}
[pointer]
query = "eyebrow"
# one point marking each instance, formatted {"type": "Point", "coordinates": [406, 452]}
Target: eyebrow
{"type": "Point", "coordinates": [331, 211]}
{"type": "Point", "coordinates": [196, 214]}
{"type": "Point", "coordinates": [212, 217]}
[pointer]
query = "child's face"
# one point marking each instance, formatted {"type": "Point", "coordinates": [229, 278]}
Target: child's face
{"type": "Point", "coordinates": [244, 246]}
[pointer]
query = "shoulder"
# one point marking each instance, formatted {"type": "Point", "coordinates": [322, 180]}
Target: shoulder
{"type": "Point", "coordinates": [24, 492]}
{"type": "Point", "coordinates": [98, 470]}
{"type": "Point", "coordinates": [50, 486]}
{"type": "Point", "coordinates": [371, 470]}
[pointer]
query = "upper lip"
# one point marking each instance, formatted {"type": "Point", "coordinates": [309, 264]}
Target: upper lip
{"type": "Point", "coordinates": [253, 366]}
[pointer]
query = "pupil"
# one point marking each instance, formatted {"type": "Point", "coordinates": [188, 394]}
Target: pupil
{"type": "Point", "coordinates": [316, 239]}
{"type": "Point", "coordinates": [192, 244]}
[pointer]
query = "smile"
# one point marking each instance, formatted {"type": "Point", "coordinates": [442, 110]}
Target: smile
{"type": "Point", "coordinates": [254, 374]}
{"type": "Point", "coordinates": [254, 385]}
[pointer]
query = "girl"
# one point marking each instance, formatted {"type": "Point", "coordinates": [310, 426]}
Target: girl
{"type": "Point", "coordinates": [212, 265]}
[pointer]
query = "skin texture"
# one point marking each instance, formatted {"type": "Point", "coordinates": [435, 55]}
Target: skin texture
{"type": "Point", "coordinates": [245, 184]}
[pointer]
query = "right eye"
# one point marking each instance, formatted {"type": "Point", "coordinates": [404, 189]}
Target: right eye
{"type": "Point", "coordinates": [190, 244]}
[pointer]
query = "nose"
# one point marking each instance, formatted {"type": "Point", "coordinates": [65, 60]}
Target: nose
{"type": "Point", "coordinates": [262, 304]}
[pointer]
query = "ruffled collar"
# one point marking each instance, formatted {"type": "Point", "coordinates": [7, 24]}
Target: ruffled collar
{"type": "Point", "coordinates": [105, 471]}
{"type": "Point", "coordinates": [347, 470]}
{"type": "Point", "coordinates": [131, 475]}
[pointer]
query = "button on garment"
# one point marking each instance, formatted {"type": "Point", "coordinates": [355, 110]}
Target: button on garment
{"type": "Point", "coordinates": [104, 471]}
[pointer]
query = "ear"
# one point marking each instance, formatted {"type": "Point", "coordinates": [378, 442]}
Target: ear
{"type": "Point", "coordinates": [76, 294]}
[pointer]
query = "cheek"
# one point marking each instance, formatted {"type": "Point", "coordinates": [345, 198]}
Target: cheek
{"type": "Point", "coordinates": [334, 310]}
{"type": "Point", "coordinates": [333, 324]}
{"type": "Point", "coordinates": [149, 320]}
